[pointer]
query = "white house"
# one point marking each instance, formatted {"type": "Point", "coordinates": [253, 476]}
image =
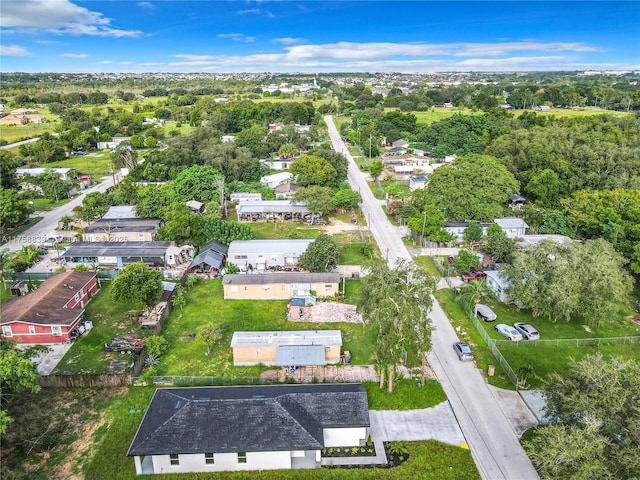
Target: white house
{"type": "Point", "coordinates": [514, 227]}
{"type": "Point", "coordinates": [249, 255]}
{"type": "Point", "coordinates": [215, 429]}
{"type": "Point", "coordinates": [498, 284]}
{"type": "Point", "coordinates": [272, 181]}
{"type": "Point", "coordinates": [113, 144]}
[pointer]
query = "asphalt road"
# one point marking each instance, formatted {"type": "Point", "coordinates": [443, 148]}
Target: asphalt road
{"type": "Point", "coordinates": [41, 230]}
{"type": "Point", "coordinates": [494, 445]}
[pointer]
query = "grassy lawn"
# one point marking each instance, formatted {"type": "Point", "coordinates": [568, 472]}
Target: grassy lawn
{"type": "Point", "coordinates": [96, 164]}
{"type": "Point", "coordinates": [282, 230]}
{"type": "Point", "coordinates": [16, 133]}
{"type": "Point", "coordinates": [186, 355]}
{"type": "Point", "coordinates": [42, 204]}
{"type": "Point", "coordinates": [428, 459]}
{"type": "Point", "coordinates": [407, 395]}
{"type": "Point", "coordinates": [428, 264]}
{"type": "Point", "coordinates": [110, 320]}
{"type": "Point", "coordinates": [352, 291]}
{"type": "Point", "coordinates": [543, 358]}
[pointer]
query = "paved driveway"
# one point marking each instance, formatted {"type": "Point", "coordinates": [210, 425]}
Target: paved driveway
{"type": "Point", "coordinates": [436, 423]}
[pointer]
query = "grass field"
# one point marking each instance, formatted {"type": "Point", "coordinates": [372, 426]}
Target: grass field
{"type": "Point", "coordinates": [96, 164]}
{"type": "Point", "coordinates": [541, 357]}
{"type": "Point", "coordinates": [186, 355]}
{"type": "Point", "coordinates": [110, 320]}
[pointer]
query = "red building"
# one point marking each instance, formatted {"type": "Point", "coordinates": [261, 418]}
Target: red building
{"type": "Point", "coordinates": [51, 312]}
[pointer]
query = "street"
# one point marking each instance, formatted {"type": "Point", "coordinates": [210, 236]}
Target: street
{"type": "Point", "coordinates": [41, 230]}
{"type": "Point", "coordinates": [494, 445]}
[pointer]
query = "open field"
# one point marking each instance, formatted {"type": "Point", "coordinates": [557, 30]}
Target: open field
{"type": "Point", "coordinates": [542, 358]}
{"type": "Point", "coordinates": [96, 164]}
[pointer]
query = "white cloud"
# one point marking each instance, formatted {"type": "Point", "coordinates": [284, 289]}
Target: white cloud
{"type": "Point", "coordinates": [58, 16]}
{"type": "Point", "coordinates": [74, 55]}
{"type": "Point", "coordinates": [287, 40]}
{"type": "Point", "coordinates": [105, 62]}
{"type": "Point", "coordinates": [148, 5]}
{"type": "Point", "coordinates": [238, 37]}
{"type": "Point", "coordinates": [125, 63]}
{"type": "Point", "coordinates": [13, 51]}
{"type": "Point", "coordinates": [151, 64]}
{"type": "Point", "coordinates": [256, 11]}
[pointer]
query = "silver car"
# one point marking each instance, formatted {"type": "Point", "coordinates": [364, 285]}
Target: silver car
{"type": "Point", "coordinates": [486, 313]}
{"type": "Point", "coordinates": [509, 332]}
{"type": "Point", "coordinates": [527, 331]}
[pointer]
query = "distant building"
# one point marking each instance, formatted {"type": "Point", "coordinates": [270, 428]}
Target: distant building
{"type": "Point", "coordinates": [417, 182]}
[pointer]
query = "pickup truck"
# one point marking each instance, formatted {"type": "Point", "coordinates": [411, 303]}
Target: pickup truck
{"type": "Point", "coordinates": [124, 346]}
{"type": "Point", "coordinates": [476, 275]}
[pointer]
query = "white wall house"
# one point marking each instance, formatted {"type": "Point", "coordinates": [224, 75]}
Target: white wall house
{"type": "Point", "coordinates": [215, 429]}
{"type": "Point", "coordinates": [498, 284]}
{"type": "Point", "coordinates": [262, 254]}
{"type": "Point", "coordinates": [514, 227]}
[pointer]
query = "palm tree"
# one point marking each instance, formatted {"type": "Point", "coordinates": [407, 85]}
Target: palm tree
{"type": "Point", "coordinates": [472, 292]}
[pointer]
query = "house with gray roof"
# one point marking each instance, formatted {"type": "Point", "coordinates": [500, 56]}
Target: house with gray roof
{"type": "Point", "coordinates": [280, 285]}
{"type": "Point", "coordinates": [498, 283]}
{"type": "Point", "coordinates": [211, 257]}
{"type": "Point", "coordinates": [268, 427]}
{"type": "Point", "coordinates": [514, 227]}
{"type": "Point", "coordinates": [298, 348]}
{"type": "Point", "coordinates": [271, 211]}
{"type": "Point", "coordinates": [119, 254]}
{"type": "Point", "coordinates": [261, 255]}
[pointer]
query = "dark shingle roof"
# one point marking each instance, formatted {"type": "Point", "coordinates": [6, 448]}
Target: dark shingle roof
{"type": "Point", "coordinates": [247, 419]}
{"type": "Point", "coordinates": [117, 249]}
{"type": "Point", "coordinates": [216, 246]}
{"type": "Point", "coordinates": [118, 225]}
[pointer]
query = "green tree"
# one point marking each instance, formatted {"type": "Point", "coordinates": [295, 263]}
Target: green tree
{"type": "Point", "coordinates": [52, 185]}
{"type": "Point", "coordinates": [312, 170]}
{"type": "Point", "coordinates": [137, 285]}
{"type": "Point", "coordinates": [288, 150]}
{"type": "Point", "coordinates": [596, 421]}
{"type": "Point", "coordinates": [181, 225]}
{"type": "Point", "coordinates": [375, 168]}
{"type": "Point", "coordinates": [465, 260]}
{"type": "Point", "coordinates": [346, 198]}
{"type": "Point", "coordinates": [321, 255]}
{"type": "Point", "coordinates": [210, 334]}
{"type": "Point", "coordinates": [13, 210]}
{"type": "Point", "coordinates": [199, 182]}
{"type": "Point", "coordinates": [475, 187]}
{"type": "Point", "coordinates": [546, 187]}
{"type": "Point", "coordinates": [561, 281]}
{"type": "Point", "coordinates": [396, 303]}
{"type": "Point", "coordinates": [156, 345]}
{"type": "Point", "coordinates": [17, 373]}
{"type": "Point", "coordinates": [319, 200]}
{"type": "Point", "coordinates": [499, 246]}
{"type": "Point", "coordinates": [473, 232]}
{"type": "Point", "coordinates": [472, 292]}
{"type": "Point", "coordinates": [429, 223]}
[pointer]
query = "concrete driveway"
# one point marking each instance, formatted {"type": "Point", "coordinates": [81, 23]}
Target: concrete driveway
{"type": "Point", "coordinates": [436, 423]}
{"type": "Point", "coordinates": [47, 361]}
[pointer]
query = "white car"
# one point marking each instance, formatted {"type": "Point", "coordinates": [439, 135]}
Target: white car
{"type": "Point", "coordinates": [509, 332]}
{"type": "Point", "coordinates": [527, 331]}
{"type": "Point", "coordinates": [486, 313]}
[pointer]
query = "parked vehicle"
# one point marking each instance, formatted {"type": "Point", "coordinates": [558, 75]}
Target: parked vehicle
{"type": "Point", "coordinates": [486, 313]}
{"type": "Point", "coordinates": [477, 275]}
{"type": "Point", "coordinates": [124, 346]}
{"type": "Point", "coordinates": [509, 332]}
{"type": "Point", "coordinates": [463, 350]}
{"type": "Point", "coordinates": [527, 331]}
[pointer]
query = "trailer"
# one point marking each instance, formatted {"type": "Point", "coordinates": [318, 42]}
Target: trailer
{"type": "Point", "coordinates": [124, 346]}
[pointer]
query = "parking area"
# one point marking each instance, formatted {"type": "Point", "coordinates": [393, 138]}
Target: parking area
{"type": "Point", "coordinates": [47, 361]}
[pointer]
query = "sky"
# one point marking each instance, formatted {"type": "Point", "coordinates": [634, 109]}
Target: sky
{"type": "Point", "coordinates": [315, 36]}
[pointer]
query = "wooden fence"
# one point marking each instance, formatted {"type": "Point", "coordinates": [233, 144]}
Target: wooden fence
{"type": "Point", "coordinates": [85, 380]}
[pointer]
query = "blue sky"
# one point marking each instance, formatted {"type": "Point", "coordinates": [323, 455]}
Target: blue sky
{"type": "Point", "coordinates": [317, 36]}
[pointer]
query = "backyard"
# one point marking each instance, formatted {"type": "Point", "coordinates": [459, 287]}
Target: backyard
{"type": "Point", "coordinates": [186, 355]}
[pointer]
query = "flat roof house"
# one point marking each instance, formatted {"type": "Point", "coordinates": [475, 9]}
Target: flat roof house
{"type": "Point", "coordinates": [285, 349]}
{"type": "Point", "coordinates": [262, 254]}
{"type": "Point", "coordinates": [271, 211]}
{"type": "Point", "coordinates": [514, 227]}
{"type": "Point", "coordinates": [214, 429]}
{"type": "Point", "coordinates": [50, 313]}
{"type": "Point", "coordinates": [280, 286]}
{"type": "Point", "coordinates": [122, 229]}
{"type": "Point", "coordinates": [118, 254]}
{"type": "Point", "coordinates": [498, 283]}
